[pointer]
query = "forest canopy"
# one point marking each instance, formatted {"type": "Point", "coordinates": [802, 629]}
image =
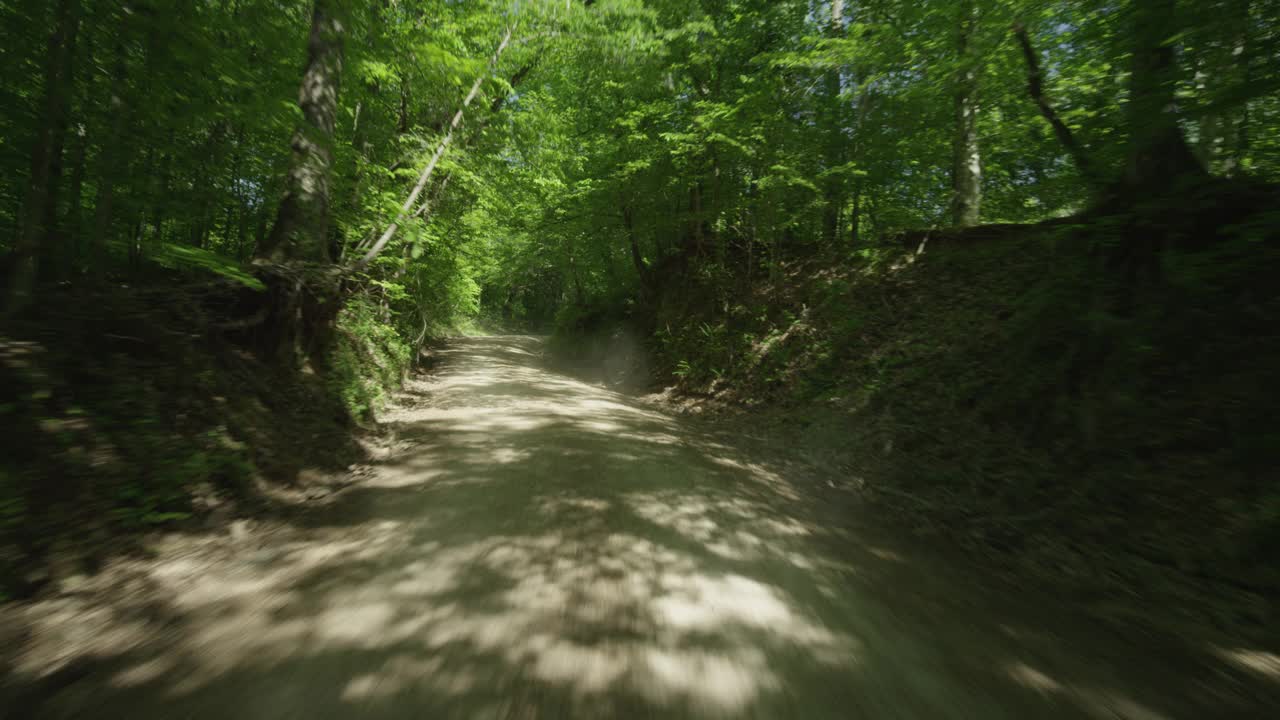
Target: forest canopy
{"type": "Point", "coordinates": [510, 158]}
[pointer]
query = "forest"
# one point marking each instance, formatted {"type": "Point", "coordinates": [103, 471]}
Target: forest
{"type": "Point", "coordinates": [1001, 274]}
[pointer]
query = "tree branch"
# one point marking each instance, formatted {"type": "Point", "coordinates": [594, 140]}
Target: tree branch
{"type": "Point", "coordinates": [425, 176]}
{"type": "Point", "coordinates": [1035, 88]}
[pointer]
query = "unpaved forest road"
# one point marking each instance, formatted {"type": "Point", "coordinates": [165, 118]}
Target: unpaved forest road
{"type": "Point", "coordinates": [544, 548]}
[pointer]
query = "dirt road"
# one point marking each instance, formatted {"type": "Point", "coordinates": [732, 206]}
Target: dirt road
{"type": "Point", "coordinates": [538, 547]}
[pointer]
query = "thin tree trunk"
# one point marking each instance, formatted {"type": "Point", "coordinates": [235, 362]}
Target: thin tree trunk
{"type": "Point", "coordinates": [695, 218]}
{"type": "Point", "coordinates": [832, 190]}
{"type": "Point", "coordinates": [263, 227]}
{"type": "Point", "coordinates": [402, 125]}
{"type": "Point", "coordinates": [75, 198]}
{"type": "Point", "coordinates": [1035, 88]}
{"type": "Point", "coordinates": [1234, 127]}
{"type": "Point", "coordinates": [111, 166]}
{"type": "Point", "coordinates": [40, 207]}
{"type": "Point", "coordinates": [1209, 140]}
{"type": "Point", "coordinates": [633, 242]}
{"type": "Point", "coordinates": [966, 162]}
{"type": "Point", "coordinates": [160, 190]}
{"type": "Point", "coordinates": [855, 214]}
{"type": "Point", "coordinates": [54, 243]}
{"type": "Point", "coordinates": [242, 230]}
{"type": "Point", "coordinates": [233, 225]}
{"type": "Point", "coordinates": [424, 210]}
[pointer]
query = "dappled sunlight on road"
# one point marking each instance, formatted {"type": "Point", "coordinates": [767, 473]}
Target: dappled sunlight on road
{"type": "Point", "coordinates": [541, 547]}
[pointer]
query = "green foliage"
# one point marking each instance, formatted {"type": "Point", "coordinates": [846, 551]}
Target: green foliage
{"type": "Point", "coordinates": [369, 359]}
{"type": "Point", "coordinates": [608, 142]}
{"type": "Point", "coordinates": [188, 259]}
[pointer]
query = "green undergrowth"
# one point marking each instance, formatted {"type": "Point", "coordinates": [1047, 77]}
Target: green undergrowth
{"type": "Point", "coordinates": [370, 359]}
{"type": "Point", "coordinates": [1095, 398]}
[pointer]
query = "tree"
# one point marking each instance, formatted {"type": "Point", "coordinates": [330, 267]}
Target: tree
{"type": "Point", "coordinates": [1158, 154]}
{"type": "Point", "coordinates": [966, 160]}
{"type": "Point", "coordinates": [301, 229]}
{"type": "Point", "coordinates": [39, 215]}
{"type": "Point", "coordinates": [425, 176]}
{"type": "Point", "coordinates": [301, 299]}
{"type": "Point", "coordinates": [652, 142]}
{"type": "Point", "coordinates": [836, 140]}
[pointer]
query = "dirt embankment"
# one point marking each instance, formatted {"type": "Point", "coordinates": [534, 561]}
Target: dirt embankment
{"type": "Point", "coordinates": [1090, 401]}
{"type": "Point", "coordinates": [127, 411]}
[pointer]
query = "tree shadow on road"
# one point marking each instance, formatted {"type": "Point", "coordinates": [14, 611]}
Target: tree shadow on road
{"type": "Point", "coordinates": [550, 549]}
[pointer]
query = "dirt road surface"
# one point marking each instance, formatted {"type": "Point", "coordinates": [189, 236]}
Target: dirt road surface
{"type": "Point", "coordinates": [538, 547]}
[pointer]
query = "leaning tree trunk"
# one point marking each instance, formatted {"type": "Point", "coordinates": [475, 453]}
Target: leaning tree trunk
{"type": "Point", "coordinates": [1159, 155]}
{"type": "Point", "coordinates": [425, 176]}
{"type": "Point", "coordinates": [302, 293]}
{"type": "Point", "coordinates": [966, 161]}
{"type": "Point", "coordinates": [1035, 88]}
{"type": "Point", "coordinates": [40, 205]}
{"type": "Point", "coordinates": [116, 149]}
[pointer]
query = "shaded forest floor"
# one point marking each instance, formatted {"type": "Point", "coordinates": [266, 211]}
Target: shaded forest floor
{"type": "Point", "coordinates": [1089, 402]}
{"type": "Point", "coordinates": [130, 410]}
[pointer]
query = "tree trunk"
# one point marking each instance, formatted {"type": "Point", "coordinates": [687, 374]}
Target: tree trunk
{"type": "Point", "coordinates": [855, 214]}
{"type": "Point", "coordinates": [1158, 152]}
{"type": "Point", "coordinates": [1238, 151]}
{"type": "Point", "coordinates": [301, 229]}
{"type": "Point", "coordinates": [114, 150]}
{"type": "Point", "coordinates": [53, 244]}
{"type": "Point", "coordinates": [301, 304]}
{"type": "Point", "coordinates": [40, 206]}
{"type": "Point", "coordinates": [831, 187]}
{"type": "Point", "coordinates": [637, 257]}
{"type": "Point", "coordinates": [402, 126]}
{"type": "Point", "coordinates": [75, 198]}
{"type": "Point", "coordinates": [695, 218]}
{"type": "Point", "coordinates": [966, 162]}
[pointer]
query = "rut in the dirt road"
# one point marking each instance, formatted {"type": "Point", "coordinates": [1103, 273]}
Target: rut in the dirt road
{"type": "Point", "coordinates": [540, 547]}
